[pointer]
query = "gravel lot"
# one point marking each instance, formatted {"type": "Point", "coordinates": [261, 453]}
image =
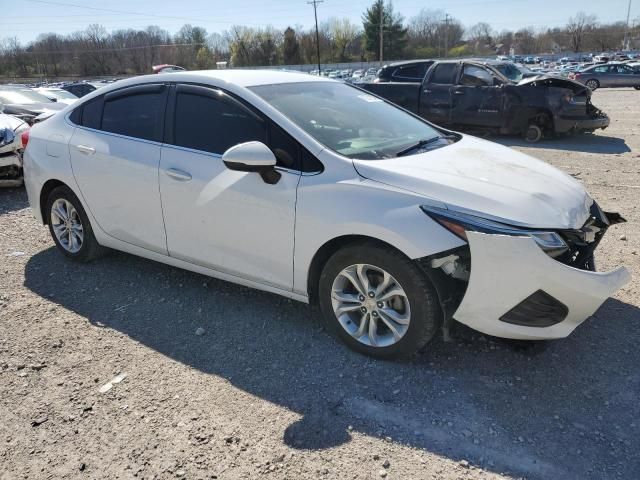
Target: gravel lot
{"type": "Point", "coordinates": [264, 391]}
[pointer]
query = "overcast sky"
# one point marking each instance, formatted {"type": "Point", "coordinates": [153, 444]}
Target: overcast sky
{"type": "Point", "coordinates": [26, 19]}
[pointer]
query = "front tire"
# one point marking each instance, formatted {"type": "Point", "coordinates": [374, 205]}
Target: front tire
{"type": "Point", "coordinates": [378, 301]}
{"type": "Point", "coordinates": [69, 226]}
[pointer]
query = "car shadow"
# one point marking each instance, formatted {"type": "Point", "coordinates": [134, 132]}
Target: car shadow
{"type": "Point", "coordinates": [564, 409]}
{"type": "Point", "coordinates": [595, 143]}
{"type": "Point", "coordinates": [12, 199]}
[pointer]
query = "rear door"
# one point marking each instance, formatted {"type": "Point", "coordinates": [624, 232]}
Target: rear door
{"type": "Point", "coordinates": [115, 154]}
{"type": "Point", "coordinates": [435, 98]}
{"type": "Point", "coordinates": [477, 98]}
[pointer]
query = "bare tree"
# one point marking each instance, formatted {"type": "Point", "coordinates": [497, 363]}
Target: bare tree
{"type": "Point", "coordinates": [577, 27]}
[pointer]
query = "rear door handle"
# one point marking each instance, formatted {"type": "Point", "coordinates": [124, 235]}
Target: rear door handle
{"type": "Point", "coordinates": [85, 149]}
{"type": "Point", "coordinates": [427, 90]}
{"type": "Point", "coordinates": [178, 174]}
{"type": "Point", "coordinates": [458, 92]}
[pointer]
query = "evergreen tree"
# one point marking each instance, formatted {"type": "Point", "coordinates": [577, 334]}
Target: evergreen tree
{"type": "Point", "coordinates": [291, 47]}
{"type": "Point", "coordinates": [394, 34]}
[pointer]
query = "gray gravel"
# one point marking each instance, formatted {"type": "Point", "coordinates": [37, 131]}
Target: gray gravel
{"type": "Point", "coordinates": [128, 368]}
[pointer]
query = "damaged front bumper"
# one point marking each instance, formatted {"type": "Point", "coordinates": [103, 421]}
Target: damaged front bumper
{"type": "Point", "coordinates": [11, 169]}
{"type": "Point", "coordinates": [517, 291]}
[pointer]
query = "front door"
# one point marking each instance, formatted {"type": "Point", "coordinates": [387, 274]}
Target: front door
{"type": "Point", "coordinates": [477, 98]}
{"type": "Point", "coordinates": [227, 220]}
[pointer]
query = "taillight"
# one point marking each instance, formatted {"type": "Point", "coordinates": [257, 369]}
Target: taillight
{"type": "Point", "coordinates": [25, 138]}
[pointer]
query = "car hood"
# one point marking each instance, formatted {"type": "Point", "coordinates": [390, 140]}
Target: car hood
{"type": "Point", "coordinates": [549, 80]}
{"type": "Point", "coordinates": [488, 180]}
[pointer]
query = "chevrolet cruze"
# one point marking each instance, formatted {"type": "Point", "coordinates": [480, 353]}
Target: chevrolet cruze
{"type": "Point", "coordinates": [318, 191]}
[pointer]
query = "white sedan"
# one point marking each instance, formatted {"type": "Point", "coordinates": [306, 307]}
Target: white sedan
{"type": "Point", "coordinates": [320, 192]}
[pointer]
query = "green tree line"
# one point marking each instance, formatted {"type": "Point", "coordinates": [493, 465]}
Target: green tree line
{"type": "Point", "coordinates": [429, 34]}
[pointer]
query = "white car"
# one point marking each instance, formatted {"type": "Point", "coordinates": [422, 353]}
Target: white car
{"type": "Point", "coordinates": [321, 192]}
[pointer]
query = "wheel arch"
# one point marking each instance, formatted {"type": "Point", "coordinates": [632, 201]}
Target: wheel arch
{"type": "Point", "coordinates": [45, 191]}
{"type": "Point", "coordinates": [324, 253]}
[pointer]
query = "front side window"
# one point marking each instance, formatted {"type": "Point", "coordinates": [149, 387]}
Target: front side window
{"type": "Point", "coordinates": [214, 124]}
{"type": "Point", "coordinates": [137, 115]}
{"type": "Point", "coordinates": [346, 119]}
{"type": "Point", "coordinates": [475, 76]}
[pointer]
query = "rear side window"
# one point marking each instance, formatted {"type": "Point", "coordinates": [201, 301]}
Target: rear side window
{"type": "Point", "coordinates": [415, 72]}
{"type": "Point", "coordinates": [92, 113]}
{"type": "Point", "coordinates": [444, 74]}
{"type": "Point", "coordinates": [214, 125]}
{"type": "Point", "coordinates": [136, 115]}
{"type": "Point", "coordinates": [476, 76]}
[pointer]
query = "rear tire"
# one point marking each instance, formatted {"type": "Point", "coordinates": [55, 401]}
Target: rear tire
{"type": "Point", "coordinates": [637, 87]}
{"type": "Point", "coordinates": [533, 134]}
{"type": "Point", "coordinates": [394, 288]}
{"type": "Point", "coordinates": [592, 84]}
{"type": "Point", "coordinates": [69, 226]}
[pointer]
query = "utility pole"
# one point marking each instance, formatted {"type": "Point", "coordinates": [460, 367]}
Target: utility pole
{"type": "Point", "coordinates": [625, 42]}
{"type": "Point", "coordinates": [381, 29]}
{"type": "Point", "coordinates": [315, 13]}
{"type": "Point", "coordinates": [446, 34]}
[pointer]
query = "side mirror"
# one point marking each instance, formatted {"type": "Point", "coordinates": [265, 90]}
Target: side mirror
{"type": "Point", "coordinates": [252, 157]}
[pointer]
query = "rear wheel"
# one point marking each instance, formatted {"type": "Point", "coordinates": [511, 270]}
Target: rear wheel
{"type": "Point", "coordinates": [69, 226]}
{"type": "Point", "coordinates": [533, 133]}
{"type": "Point", "coordinates": [637, 87]}
{"type": "Point", "coordinates": [378, 301]}
{"type": "Point", "coordinates": [592, 84]}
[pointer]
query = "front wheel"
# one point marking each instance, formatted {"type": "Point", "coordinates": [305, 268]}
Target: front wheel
{"type": "Point", "coordinates": [637, 87]}
{"type": "Point", "coordinates": [69, 226]}
{"type": "Point", "coordinates": [378, 301]}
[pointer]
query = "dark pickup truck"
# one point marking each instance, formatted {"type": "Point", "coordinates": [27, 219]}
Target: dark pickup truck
{"type": "Point", "coordinates": [475, 96]}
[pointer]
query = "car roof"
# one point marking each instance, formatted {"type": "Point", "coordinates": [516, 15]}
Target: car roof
{"type": "Point", "coordinates": [408, 62]}
{"type": "Point", "coordinates": [242, 78]}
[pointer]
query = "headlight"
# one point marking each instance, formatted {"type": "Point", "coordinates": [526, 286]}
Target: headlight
{"type": "Point", "coordinates": [459, 223]}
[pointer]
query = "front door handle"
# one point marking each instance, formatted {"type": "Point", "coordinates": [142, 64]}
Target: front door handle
{"type": "Point", "coordinates": [178, 174]}
{"type": "Point", "coordinates": [426, 90]}
{"type": "Point", "coordinates": [86, 149]}
{"type": "Point", "coordinates": [458, 92]}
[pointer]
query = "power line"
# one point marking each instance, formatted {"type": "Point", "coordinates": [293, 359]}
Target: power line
{"type": "Point", "coordinates": [315, 13]}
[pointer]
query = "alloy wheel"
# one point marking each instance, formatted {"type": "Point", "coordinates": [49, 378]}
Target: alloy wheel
{"type": "Point", "coordinates": [370, 305]}
{"type": "Point", "coordinates": [67, 225]}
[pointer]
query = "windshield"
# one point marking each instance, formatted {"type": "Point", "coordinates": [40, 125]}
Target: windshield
{"type": "Point", "coordinates": [59, 94]}
{"type": "Point", "coordinates": [346, 119]}
{"type": "Point", "coordinates": [22, 96]}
